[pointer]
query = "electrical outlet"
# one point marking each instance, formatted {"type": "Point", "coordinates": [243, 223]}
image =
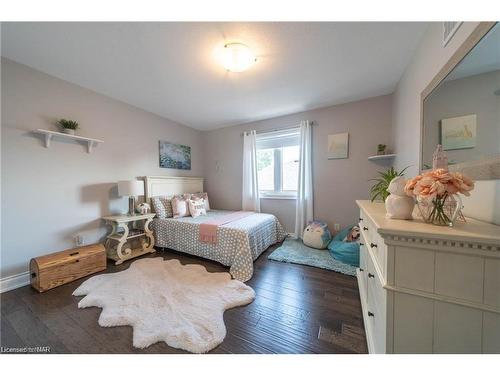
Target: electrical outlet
{"type": "Point", "coordinates": [336, 227]}
{"type": "Point", "coordinates": [79, 240]}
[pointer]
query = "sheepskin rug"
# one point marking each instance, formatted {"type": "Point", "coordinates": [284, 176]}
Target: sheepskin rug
{"type": "Point", "coordinates": [182, 305]}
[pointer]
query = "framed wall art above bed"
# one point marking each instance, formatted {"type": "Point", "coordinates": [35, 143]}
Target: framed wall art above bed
{"type": "Point", "coordinates": [174, 156]}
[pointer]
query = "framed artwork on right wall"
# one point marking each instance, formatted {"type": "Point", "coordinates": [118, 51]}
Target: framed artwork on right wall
{"type": "Point", "coordinates": [338, 146]}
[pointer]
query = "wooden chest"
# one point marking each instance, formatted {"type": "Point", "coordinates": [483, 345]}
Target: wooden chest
{"type": "Point", "coordinates": [60, 268]}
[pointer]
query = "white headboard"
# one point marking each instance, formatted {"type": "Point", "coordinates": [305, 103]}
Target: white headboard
{"type": "Point", "coordinates": [164, 185]}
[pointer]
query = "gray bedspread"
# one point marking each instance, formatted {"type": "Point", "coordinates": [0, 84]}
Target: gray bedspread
{"type": "Point", "coordinates": [239, 242]}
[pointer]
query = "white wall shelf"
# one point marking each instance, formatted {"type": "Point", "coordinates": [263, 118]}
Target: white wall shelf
{"type": "Point", "coordinates": [49, 135]}
{"type": "Point", "coordinates": [381, 157]}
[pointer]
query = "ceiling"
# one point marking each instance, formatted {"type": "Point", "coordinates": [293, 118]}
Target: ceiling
{"type": "Point", "coordinates": [170, 69]}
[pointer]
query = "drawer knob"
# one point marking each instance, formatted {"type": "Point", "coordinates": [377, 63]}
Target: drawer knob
{"type": "Point", "coordinates": [370, 313]}
{"type": "Point", "coordinates": [360, 219]}
{"type": "Point", "coordinates": [365, 228]}
{"type": "Point", "coordinates": [371, 275]}
{"type": "Point", "coordinates": [373, 245]}
{"type": "Point", "coordinates": [361, 269]}
{"type": "Point", "coordinates": [361, 244]}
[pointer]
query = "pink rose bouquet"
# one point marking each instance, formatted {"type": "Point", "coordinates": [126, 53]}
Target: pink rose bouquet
{"type": "Point", "coordinates": [436, 187]}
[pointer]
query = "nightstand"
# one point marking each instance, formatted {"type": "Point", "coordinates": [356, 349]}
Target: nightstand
{"type": "Point", "coordinates": [130, 236]}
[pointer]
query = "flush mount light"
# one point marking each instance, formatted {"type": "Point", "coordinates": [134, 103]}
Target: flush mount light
{"type": "Point", "coordinates": [237, 57]}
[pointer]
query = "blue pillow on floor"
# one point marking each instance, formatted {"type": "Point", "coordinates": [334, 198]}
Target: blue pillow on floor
{"type": "Point", "coordinates": [346, 252]}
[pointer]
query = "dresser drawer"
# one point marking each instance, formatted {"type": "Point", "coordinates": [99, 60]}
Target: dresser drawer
{"type": "Point", "coordinates": [365, 227]}
{"type": "Point", "coordinates": [375, 286]}
{"type": "Point", "coordinates": [376, 311]}
{"type": "Point", "coordinates": [363, 264]}
{"type": "Point", "coordinates": [373, 241]}
{"type": "Point", "coordinates": [377, 325]}
{"type": "Point", "coordinates": [379, 250]}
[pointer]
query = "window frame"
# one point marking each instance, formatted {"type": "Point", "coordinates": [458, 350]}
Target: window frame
{"type": "Point", "coordinates": [278, 192]}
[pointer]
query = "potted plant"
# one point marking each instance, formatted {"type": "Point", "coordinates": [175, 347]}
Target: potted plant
{"type": "Point", "coordinates": [381, 149]}
{"type": "Point", "coordinates": [68, 126]}
{"type": "Point", "coordinates": [379, 190]}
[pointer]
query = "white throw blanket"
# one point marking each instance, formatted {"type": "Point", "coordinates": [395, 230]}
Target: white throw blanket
{"type": "Point", "coordinates": [165, 300]}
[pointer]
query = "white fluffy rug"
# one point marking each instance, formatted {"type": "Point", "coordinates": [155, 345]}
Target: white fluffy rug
{"type": "Point", "coordinates": [165, 300]}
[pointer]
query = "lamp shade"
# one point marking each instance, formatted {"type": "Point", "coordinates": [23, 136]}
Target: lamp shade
{"type": "Point", "coordinates": [130, 188]}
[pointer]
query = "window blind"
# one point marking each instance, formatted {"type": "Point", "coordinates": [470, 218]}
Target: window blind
{"type": "Point", "coordinates": [279, 138]}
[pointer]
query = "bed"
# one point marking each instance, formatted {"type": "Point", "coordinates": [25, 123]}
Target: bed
{"type": "Point", "coordinates": [239, 242]}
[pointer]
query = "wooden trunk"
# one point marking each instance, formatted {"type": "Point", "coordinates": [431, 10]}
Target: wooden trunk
{"type": "Point", "coordinates": [49, 271]}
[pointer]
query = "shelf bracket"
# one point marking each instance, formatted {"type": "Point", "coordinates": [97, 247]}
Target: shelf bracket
{"type": "Point", "coordinates": [48, 138]}
{"type": "Point", "coordinates": [90, 145]}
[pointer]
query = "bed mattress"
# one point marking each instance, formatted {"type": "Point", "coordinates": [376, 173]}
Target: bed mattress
{"type": "Point", "coordinates": [239, 242]}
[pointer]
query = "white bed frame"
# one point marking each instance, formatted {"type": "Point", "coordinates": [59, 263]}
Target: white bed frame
{"type": "Point", "coordinates": [155, 186]}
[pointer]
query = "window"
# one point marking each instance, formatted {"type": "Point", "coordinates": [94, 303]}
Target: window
{"type": "Point", "coordinates": [278, 163]}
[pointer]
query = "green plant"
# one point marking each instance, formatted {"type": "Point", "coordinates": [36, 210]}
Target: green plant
{"type": "Point", "coordinates": [67, 124]}
{"type": "Point", "coordinates": [381, 147]}
{"type": "Point", "coordinates": [379, 190]}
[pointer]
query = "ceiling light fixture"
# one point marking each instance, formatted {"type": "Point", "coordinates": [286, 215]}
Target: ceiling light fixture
{"type": "Point", "coordinates": [237, 57]}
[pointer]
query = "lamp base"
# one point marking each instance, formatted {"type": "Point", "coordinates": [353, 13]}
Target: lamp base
{"type": "Point", "coordinates": [131, 206]}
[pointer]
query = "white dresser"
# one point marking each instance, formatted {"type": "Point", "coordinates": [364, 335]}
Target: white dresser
{"type": "Point", "coordinates": [428, 289]}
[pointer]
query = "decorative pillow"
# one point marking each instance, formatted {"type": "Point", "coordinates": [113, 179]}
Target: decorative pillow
{"type": "Point", "coordinates": [317, 235]}
{"type": "Point", "coordinates": [353, 234]}
{"type": "Point", "coordinates": [180, 206]}
{"type": "Point", "coordinates": [203, 196]}
{"type": "Point", "coordinates": [197, 207]}
{"type": "Point", "coordinates": [162, 207]}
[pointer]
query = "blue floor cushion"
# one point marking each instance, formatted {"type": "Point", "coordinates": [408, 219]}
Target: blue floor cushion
{"type": "Point", "coordinates": [346, 252]}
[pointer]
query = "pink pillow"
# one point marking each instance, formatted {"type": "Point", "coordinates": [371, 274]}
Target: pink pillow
{"type": "Point", "coordinates": [203, 196]}
{"type": "Point", "coordinates": [180, 206]}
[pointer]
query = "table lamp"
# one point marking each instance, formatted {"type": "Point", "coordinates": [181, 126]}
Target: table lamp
{"type": "Point", "coordinates": [131, 189]}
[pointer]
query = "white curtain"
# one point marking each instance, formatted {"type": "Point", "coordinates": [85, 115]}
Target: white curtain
{"type": "Point", "coordinates": [250, 191]}
{"type": "Point", "coordinates": [304, 208]}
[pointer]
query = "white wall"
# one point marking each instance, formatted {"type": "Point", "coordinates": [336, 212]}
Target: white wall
{"type": "Point", "coordinates": [429, 58]}
{"type": "Point", "coordinates": [50, 195]}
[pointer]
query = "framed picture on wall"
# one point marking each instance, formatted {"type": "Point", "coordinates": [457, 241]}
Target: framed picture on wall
{"type": "Point", "coordinates": [338, 146]}
{"type": "Point", "coordinates": [175, 156]}
{"type": "Point", "coordinates": [458, 132]}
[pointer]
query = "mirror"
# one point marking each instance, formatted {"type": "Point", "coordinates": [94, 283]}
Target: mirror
{"type": "Point", "coordinates": [463, 113]}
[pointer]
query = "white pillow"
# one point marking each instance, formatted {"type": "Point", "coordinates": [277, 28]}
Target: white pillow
{"type": "Point", "coordinates": [180, 206]}
{"type": "Point", "coordinates": [197, 207]}
{"type": "Point", "coordinates": [202, 196]}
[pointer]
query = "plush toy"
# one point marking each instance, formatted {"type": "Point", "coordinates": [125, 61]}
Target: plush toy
{"type": "Point", "coordinates": [317, 235]}
{"type": "Point", "coordinates": [398, 205]}
{"type": "Point", "coordinates": [143, 208]}
{"type": "Point", "coordinates": [353, 234]}
{"type": "Point", "coordinates": [345, 246]}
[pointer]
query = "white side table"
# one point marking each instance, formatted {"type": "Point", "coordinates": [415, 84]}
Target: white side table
{"type": "Point", "coordinates": [127, 242]}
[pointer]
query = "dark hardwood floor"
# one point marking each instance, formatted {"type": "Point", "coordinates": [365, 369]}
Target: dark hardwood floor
{"type": "Point", "coordinates": [298, 309]}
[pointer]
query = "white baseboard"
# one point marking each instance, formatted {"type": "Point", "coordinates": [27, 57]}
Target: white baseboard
{"type": "Point", "coordinates": [14, 281]}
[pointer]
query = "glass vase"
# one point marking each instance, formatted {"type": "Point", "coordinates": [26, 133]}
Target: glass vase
{"type": "Point", "coordinates": [440, 210]}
